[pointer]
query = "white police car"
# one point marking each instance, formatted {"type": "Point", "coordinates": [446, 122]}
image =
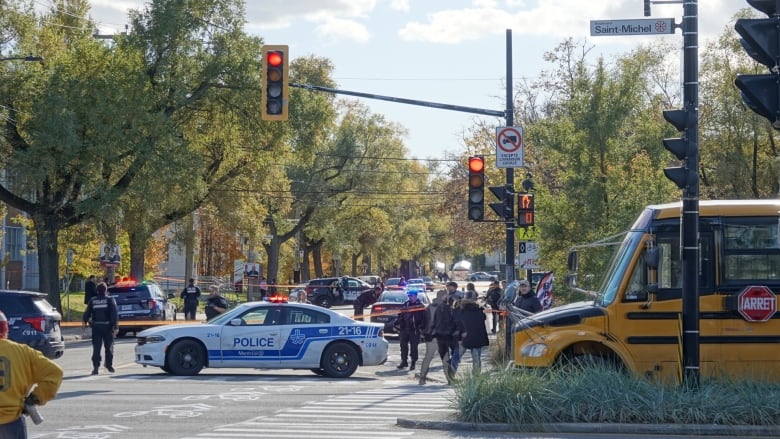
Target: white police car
{"type": "Point", "coordinates": [266, 335]}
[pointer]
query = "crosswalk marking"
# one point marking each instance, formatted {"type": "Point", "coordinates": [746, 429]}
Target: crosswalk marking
{"type": "Point", "coordinates": [366, 413]}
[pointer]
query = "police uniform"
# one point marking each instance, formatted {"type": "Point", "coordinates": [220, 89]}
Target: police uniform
{"type": "Point", "coordinates": [213, 301]}
{"type": "Point", "coordinates": [190, 296]}
{"type": "Point", "coordinates": [102, 311]}
{"type": "Point", "coordinates": [20, 367]}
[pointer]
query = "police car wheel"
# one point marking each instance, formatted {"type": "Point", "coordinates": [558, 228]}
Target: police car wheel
{"type": "Point", "coordinates": [320, 372]}
{"type": "Point", "coordinates": [186, 357]}
{"type": "Point", "coordinates": [340, 360]}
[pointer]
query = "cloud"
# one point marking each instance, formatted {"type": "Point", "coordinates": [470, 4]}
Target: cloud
{"type": "Point", "coordinates": [400, 5]}
{"type": "Point", "coordinates": [487, 17]}
{"type": "Point", "coordinates": [338, 29]}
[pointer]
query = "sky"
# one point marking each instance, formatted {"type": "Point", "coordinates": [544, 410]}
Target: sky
{"type": "Point", "coordinates": [444, 51]}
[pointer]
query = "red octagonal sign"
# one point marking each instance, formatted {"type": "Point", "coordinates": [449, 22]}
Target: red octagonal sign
{"type": "Point", "coordinates": [757, 303]}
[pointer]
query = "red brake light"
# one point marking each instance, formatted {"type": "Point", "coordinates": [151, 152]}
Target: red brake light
{"type": "Point", "coordinates": [39, 323]}
{"type": "Point", "coordinates": [152, 303]}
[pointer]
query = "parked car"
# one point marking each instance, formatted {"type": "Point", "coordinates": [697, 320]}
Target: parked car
{"type": "Point", "coordinates": [323, 291]}
{"type": "Point", "coordinates": [428, 283]}
{"type": "Point", "coordinates": [33, 321]}
{"type": "Point", "coordinates": [267, 335]}
{"type": "Point", "coordinates": [371, 280]}
{"type": "Point", "coordinates": [141, 301]}
{"type": "Point", "coordinates": [481, 276]}
{"type": "Point", "coordinates": [385, 310]}
{"type": "Point", "coordinates": [393, 283]}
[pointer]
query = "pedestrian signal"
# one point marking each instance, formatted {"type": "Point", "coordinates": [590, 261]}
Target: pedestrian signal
{"type": "Point", "coordinates": [525, 210]}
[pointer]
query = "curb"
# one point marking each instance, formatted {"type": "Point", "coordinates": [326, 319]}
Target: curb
{"type": "Point", "coordinates": [583, 428]}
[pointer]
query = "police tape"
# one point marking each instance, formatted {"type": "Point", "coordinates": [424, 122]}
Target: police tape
{"type": "Point", "coordinates": [151, 323]}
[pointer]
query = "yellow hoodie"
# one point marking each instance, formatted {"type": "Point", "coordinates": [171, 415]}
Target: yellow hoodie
{"type": "Point", "coordinates": [20, 367]}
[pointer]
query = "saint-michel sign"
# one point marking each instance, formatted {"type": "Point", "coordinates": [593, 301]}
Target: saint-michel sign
{"type": "Point", "coordinates": [640, 26]}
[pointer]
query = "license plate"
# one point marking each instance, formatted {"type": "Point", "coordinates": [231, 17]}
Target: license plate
{"type": "Point", "coordinates": [127, 307]}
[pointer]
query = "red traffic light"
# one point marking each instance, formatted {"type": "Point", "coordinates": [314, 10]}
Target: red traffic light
{"type": "Point", "coordinates": [476, 164]}
{"type": "Point", "coordinates": [274, 59]}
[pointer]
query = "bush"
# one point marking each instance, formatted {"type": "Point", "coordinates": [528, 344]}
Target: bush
{"type": "Point", "coordinates": [593, 395]}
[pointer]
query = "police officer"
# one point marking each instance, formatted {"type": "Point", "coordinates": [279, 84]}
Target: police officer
{"type": "Point", "coordinates": [190, 294]}
{"type": "Point", "coordinates": [102, 310]}
{"type": "Point", "coordinates": [411, 323]}
{"type": "Point", "coordinates": [22, 368]}
{"type": "Point", "coordinates": [366, 298]}
{"type": "Point", "coordinates": [215, 304]}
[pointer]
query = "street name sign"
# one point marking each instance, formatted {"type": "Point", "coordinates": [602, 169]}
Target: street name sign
{"type": "Point", "coordinates": [639, 26]}
{"type": "Point", "coordinates": [509, 147]}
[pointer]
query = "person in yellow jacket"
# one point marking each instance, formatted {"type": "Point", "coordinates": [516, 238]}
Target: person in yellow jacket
{"type": "Point", "coordinates": [21, 369]}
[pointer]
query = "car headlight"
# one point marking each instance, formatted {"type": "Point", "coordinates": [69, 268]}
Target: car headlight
{"type": "Point", "coordinates": [533, 350]}
{"type": "Point", "coordinates": [154, 339]}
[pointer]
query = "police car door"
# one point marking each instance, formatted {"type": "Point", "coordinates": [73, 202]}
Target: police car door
{"type": "Point", "coordinates": [252, 340]}
{"type": "Point", "coordinates": [305, 333]}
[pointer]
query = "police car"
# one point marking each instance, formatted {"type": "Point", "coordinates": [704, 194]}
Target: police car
{"type": "Point", "coordinates": [266, 335]}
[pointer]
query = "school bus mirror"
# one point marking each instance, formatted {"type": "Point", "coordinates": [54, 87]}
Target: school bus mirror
{"type": "Point", "coordinates": [652, 257]}
{"type": "Point", "coordinates": [571, 280]}
{"type": "Point", "coordinates": [573, 261]}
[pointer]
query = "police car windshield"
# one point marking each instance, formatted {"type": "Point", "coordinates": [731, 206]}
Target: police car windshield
{"type": "Point", "coordinates": [222, 319]}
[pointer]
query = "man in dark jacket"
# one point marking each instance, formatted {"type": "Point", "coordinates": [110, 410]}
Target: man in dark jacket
{"type": "Point", "coordinates": [411, 323]}
{"type": "Point", "coordinates": [526, 300]}
{"type": "Point", "coordinates": [190, 294]}
{"type": "Point", "coordinates": [366, 298]}
{"type": "Point", "coordinates": [471, 324]}
{"type": "Point", "coordinates": [90, 289]}
{"type": "Point", "coordinates": [215, 303]}
{"type": "Point", "coordinates": [102, 311]}
{"type": "Point", "coordinates": [493, 297]}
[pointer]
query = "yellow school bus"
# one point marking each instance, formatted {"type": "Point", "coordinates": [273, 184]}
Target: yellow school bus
{"type": "Point", "coordinates": [635, 319]}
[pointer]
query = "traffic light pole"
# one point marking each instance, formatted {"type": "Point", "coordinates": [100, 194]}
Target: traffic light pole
{"type": "Point", "coordinates": [510, 172]}
{"type": "Point", "coordinates": [690, 201]}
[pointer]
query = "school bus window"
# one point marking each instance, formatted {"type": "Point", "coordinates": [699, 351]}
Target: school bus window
{"type": "Point", "coordinates": [751, 249]}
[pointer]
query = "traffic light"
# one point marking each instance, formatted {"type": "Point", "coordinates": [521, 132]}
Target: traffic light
{"type": "Point", "coordinates": [525, 210]}
{"type": "Point", "coordinates": [761, 40]}
{"type": "Point", "coordinates": [275, 83]}
{"type": "Point", "coordinates": [680, 147]}
{"type": "Point", "coordinates": [476, 208]}
{"type": "Point", "coordinates": [505, 208]}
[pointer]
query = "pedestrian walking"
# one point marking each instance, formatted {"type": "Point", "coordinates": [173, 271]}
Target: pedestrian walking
{"type": "Point", "coordinates": [28, 378]}
{"type": "Point", "coordinates": [101, 314]}
{"type": "Point", "coordinates": [493, 297]}
{"type": "Point", "coordinates": [366, 298]}
{"type": "Point", "coordinates": [410, 324]}
{"type": "Point", "coordinates": [526, 300]}
{"type": "Point", "coordinates": [263, 288]}
{"type": "Point", "coordinates": [430, 336]}
{"type": "Point", "coordinates": [471, 325]}
{"type": "Point", "coordinates": [471, 292]}
{"type": "Point", "coordinates": [191, 295]}
{"type": "Point", "coordinates": [90, 289]}
{"type": "Point", "coordinates": [453, 300]}
{"type": "Point", "coordinates": [215, 303]}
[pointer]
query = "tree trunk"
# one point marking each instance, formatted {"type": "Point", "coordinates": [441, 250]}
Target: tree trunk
{"type": "Point", "coordinates": [137, 250]}
{"type": "Point", "coordinates": [272, 249]}
{"type": "Point", "coordinates": [317, 255]}
{"type": "Point", "coordinates": [46, 233]}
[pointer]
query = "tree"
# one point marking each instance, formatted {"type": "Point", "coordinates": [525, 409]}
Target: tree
{"type": "Point", "coordinates": [67, 148]}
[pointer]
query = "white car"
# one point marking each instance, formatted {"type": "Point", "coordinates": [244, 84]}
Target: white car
{"type": "Point", "coordinates": [266, 335]}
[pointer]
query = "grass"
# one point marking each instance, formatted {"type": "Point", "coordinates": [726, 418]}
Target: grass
{"type": "Point", "coordinates": [602, 395]}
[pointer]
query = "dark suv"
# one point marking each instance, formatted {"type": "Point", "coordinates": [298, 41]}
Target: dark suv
{"type": "Point", "coordinates": [33, 321]}
{"type": "Point", "coordinates": [324, 291]}
{"type": "Point", "coordinates": [140, 301]}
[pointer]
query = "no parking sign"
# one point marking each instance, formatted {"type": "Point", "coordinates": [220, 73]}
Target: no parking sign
{"type": "Point", "coordinates": [509, 147]}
